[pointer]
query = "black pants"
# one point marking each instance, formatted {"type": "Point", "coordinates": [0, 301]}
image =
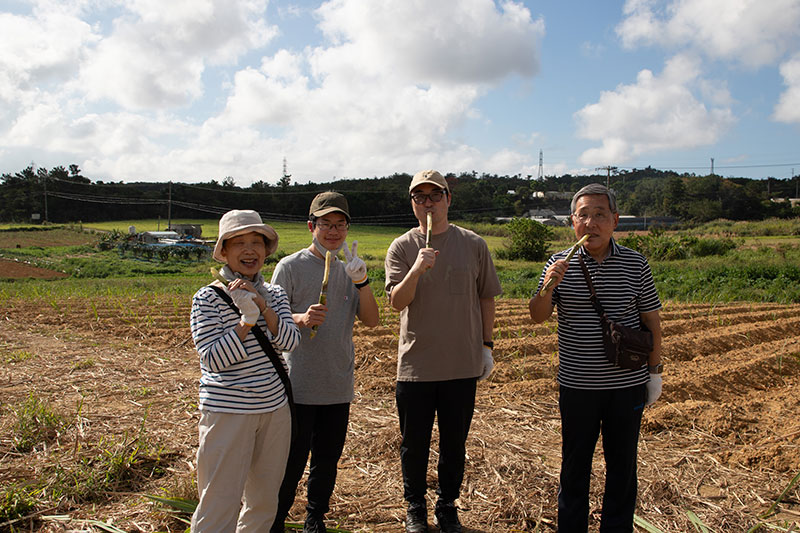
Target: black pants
{"type": "Point", "coordinates": [585, 414]}
{"type": "Point", "coordinates": [321, 430]}
{"type": "Point", "coordinates": [453, 402]}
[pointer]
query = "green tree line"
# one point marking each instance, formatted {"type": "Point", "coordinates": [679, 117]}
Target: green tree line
{"type": "Point", "coordinates": [64, 195]}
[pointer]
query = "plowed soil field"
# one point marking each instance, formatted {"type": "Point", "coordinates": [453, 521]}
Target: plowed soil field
{"type": "Point", "coordinates": [722, 443]}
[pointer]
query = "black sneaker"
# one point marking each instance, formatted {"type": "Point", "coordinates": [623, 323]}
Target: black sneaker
{"type": "Point", "coordinates": [417, 518]}
{"type": "Point", "coordinates": [314, 524]}
{"type": "Point", "coordinates": [446, 517]}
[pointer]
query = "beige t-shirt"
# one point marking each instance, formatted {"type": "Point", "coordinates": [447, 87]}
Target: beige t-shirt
{"type": "Point", "coordinates": [441, 332]}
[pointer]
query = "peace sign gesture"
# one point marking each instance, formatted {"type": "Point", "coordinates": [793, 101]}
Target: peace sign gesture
{"type": "Point", "coordinates": [356, 268]}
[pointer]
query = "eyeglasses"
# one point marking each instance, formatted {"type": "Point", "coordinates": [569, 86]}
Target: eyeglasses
{"type": "Point", "coordinates": [421, 198]}
{"type": "Point", "coordinates": [325, 226]}
{"type": "Point", "coordinates": [583, 218]}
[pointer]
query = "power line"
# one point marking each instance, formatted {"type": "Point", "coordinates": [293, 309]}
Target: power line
{"type": "Point", "coordinates": [668, 168]}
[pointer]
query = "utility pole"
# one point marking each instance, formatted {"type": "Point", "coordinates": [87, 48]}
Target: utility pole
{"type": "Point", "coordinates": [796, 181]}
{"type": "Point", "coordinates": [608, 170]}
{"type": "Point", "coordinates": [169, 207]}
{"type": "Point", "coordinates": [712, 166]}
{"type": "Point", "coordinates": [44, 176]}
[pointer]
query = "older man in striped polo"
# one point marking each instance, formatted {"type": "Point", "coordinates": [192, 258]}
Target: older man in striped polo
{"type": "Point", "coordinates": [595, 396]}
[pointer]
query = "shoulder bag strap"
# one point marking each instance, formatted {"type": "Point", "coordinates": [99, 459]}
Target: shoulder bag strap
{"type": "Point", "coordinates": [593, 298]}
{"type": "Point", "coordinates": [276, 361]}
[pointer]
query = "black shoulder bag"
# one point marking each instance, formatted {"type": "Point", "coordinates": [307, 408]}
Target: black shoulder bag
{"type": "Point", "coordinates": [624, 347]}
{"type": "Point", "coordinates": [262, 339]}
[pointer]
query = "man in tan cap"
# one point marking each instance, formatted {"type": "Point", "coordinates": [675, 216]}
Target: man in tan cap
{"type": "Point", "coordinates": [321, 367]}
{"type": "Point", "coordinates": [445, 295]}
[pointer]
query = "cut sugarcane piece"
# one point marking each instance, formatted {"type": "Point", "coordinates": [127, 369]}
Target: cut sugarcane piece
{"type": "Point", "coordinates": [429, 231]}
{"type": "Point", "coordinates": [218, 276]}
{"type": "Point", "coordinates": [323, 293]}
{"type": "Point", "coordinates": [574, 249]}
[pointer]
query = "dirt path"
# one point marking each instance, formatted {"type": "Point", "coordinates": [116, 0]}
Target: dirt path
{"type": "Point", "coordinates": [723, 441]}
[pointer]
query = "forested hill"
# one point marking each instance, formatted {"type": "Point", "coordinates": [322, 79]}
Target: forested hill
{"type": "Point", "coordinates": [68, 196]}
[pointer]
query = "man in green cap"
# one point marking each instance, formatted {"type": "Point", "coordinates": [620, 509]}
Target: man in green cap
{"type": "Point", "coordinates": [321, 367]}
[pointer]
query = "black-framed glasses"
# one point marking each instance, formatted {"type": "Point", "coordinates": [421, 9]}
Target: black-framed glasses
{"type": "Point", "coordinates": [325, 226]}
{"type": "Point", "coordinates": [421, 197]}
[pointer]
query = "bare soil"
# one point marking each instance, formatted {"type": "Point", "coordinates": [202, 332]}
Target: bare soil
{"type": "Point", "coordinates": [723, 441]}
{"type": "Point", "coordinates": [46, 238]}
{"type": "Point", "coordinates": [18, 269]}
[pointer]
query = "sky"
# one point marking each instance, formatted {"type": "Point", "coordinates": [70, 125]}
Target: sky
{"type": "Point", "coordinates": [199, 90]}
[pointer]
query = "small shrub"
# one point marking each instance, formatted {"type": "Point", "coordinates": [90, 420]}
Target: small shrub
{"type": "Point", "coordinates": [110, 240]}
{"type": "Point", "coordinates": [706, 247]}
{"type": "Point", "coordinates": [527, 240]}
{"type": "Point", "coordinates": [656, 245]}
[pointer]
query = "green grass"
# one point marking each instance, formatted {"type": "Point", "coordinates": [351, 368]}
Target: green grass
{"type": "Point", "coordinates": [16, 501]}
{"type": "Point", "coordinates": [18, 356]}
{"type": "Point", "coordinates": [37, 423]}
{"type": "Point", "coordinates": [749, 273]}
{"type": "Point", "coordinates": [112, 464]}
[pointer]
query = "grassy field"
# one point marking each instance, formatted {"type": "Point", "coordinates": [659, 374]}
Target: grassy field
{"type": "Point", "coordinates": [372, 240]}
{"type": "Point", "coordinates": [760, 268]}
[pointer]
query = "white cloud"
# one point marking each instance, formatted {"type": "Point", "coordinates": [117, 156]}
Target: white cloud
{"type": "Point", "coordinates": [455, 41]}
{"type": "Point", "coordinates": [389, 87]}
{"type": "Point", "coordinates": [40, 50]}
{"type": "Point", "coordinates": [753, 32]}
{"type": "Point", "coordinates": [156, 54]}
{"type": "Point", "coordinates": [387, 90]}
{"type": "Point", "coordinates": [788, 107]}
{"type": "Point", "coordinates": [654, 114]}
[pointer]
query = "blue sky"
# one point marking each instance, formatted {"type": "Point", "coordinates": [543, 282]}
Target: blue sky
{"type": "Point", "coordinates": [146, 90]}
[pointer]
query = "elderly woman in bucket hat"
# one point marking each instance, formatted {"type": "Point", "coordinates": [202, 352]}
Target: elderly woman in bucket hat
{"type": "Point", "coordinates": [245, 422]}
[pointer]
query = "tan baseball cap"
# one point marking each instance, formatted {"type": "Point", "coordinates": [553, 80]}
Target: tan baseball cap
{"type": "Point", "coordinates": [428, 176]}
{"type": "Point", "coordinates": [328, 202]}
{"type": "Point", "coordinates": [239, 222]}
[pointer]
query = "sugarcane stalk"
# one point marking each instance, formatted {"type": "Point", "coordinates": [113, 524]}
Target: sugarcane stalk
{"type": "Point", "coordinates": [323, 293]}
{"type": "Point", "coordinates": [218, 276]}
{"type": "Point", "coordinates": [429, 232]}
{"type": "Point", "coordinates": [574, 249]}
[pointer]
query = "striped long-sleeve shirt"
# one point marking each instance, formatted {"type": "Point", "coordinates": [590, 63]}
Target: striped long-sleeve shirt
{"type": "Point", "coordinates": [237, 376]}
{"type": "Point", "coordinates": [625, 288]}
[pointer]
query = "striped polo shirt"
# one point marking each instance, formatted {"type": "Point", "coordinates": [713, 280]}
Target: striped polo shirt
{"type": "Point", "coordinates": [625, 288]}
{"type": "Point", "coordinates": [236, 376]}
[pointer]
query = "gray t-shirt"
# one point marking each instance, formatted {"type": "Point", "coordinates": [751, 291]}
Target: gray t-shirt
{"type": "Point", "coordinates": [441, 330]}
{"type": "Point", "coordinates": [320, 368]}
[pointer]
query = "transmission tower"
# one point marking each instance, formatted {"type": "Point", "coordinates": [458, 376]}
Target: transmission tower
{"type": "Point", "coordinates": [540, 176]}
{"type": "Point", "coordinates": [285, 174]}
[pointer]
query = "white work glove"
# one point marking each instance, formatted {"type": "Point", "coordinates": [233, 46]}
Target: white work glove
{"type": "Point", "coordinates": [653, 389]}
{"type": "Point", "coordinates": [488, 363]}
{"type": "Point", "coordinates": [356, 268]}
{"type": "Point", "coordinates": [244, 301]}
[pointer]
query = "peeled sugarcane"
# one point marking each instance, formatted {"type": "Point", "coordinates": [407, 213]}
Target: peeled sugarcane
{"type": "Point", "coordinates": [323, 293]}
{"type": "Point", "coordinates": [218, 276]}
{"type": "Point", "coordinates": [430, 230]}
{"type": "Point", "coordinates": [569, 256]}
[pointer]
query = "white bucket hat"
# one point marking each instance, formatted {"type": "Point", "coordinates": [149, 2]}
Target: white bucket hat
{"type": "Point", "coordinates": [239, 222]}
